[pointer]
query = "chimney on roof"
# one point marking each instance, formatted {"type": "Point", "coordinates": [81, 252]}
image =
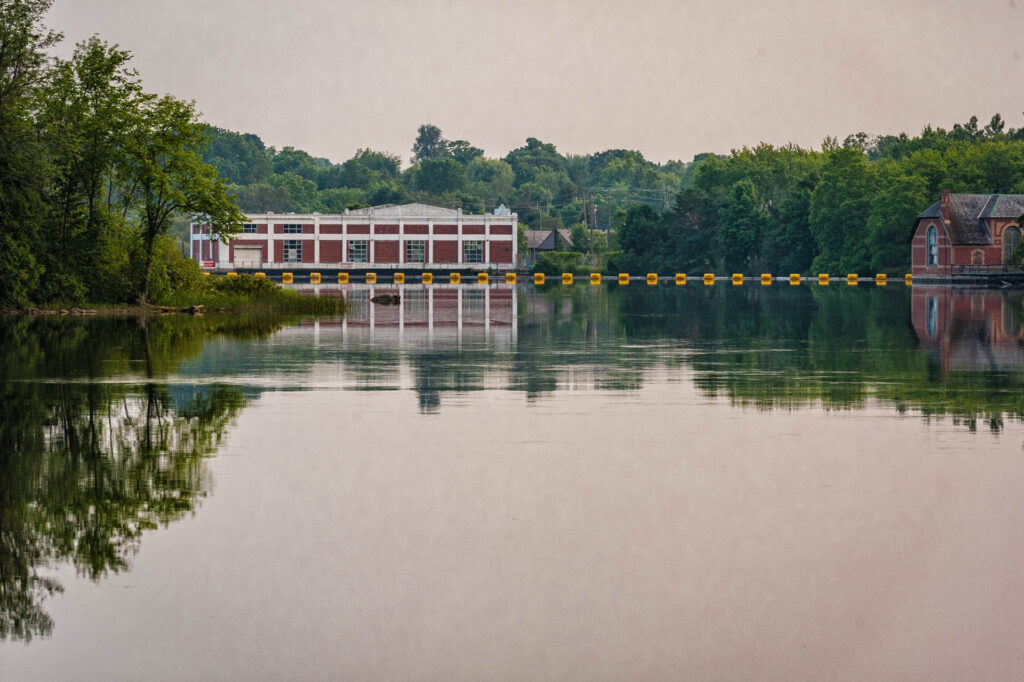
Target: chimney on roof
{"type": "Point", "coordinates": [944, 205]}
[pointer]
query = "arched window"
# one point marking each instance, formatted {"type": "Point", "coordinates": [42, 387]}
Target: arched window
{"type": "Point", "coordinates": [933, 246]}
{"type": "Point", "coordinates": [1011, 238]}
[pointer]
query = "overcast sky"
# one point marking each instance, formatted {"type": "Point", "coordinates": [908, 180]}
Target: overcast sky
{"type": "Point", "coordinates": [670, 79]}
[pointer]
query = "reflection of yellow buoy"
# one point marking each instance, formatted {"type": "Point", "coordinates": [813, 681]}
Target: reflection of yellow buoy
{"type": "Point", "coordinates": [852, 279]}
{"type": "Point", "coordinates": [595, 278]}
{"type": "Point", "coordinates": [652, 278]}
{"type": "Point", "coordinates": [287, 278]}
{"type": "Point", "coordinates": [709, 279]}
{"type": "Point", "coordinates": [371, 278]}
{"type": "Point", "coordinates": [399, 278]}
{"type": "Point", "coordinates": [455, 278]}
{"type": "Point", "coordinates": [566, 278]}
{"type": "Point", "coordinates": [908, 279]}
{"type": "Point", "coordinates": [314, 278]}
{"type": "Point", "coordinates": [342, 278]}
{"type": "Point", "coordinates": [482, 278]}
{"type": "Point", "coordinates": [538, 278]}
{"type": "Point", "coordinates": [510, 278]}
{"type": "Point", "coordinates": [881, 279]}
{"type": "Point", "coordinates": [766, 279]}
{"type": "Point", "coordinates": [427, 278]}
{"type": "Point", "coordinates": [623, 278]}
{"type": "Point", "coordinates": [823, 279]}
{"type": "Point", "coordinates": [680, 279]}
{"type": "Point", "coordinates": [737, 279]}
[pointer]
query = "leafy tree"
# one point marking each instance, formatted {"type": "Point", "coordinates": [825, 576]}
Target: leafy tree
{"type": "Point", "coordinates": [429, 144]}
{"type": "Point", "coordinates": [164, 175]}
{"type": "Point", "coordinates": [23, 45]}
{"type": "Point", "coordinates": [839, 209]}
{"type": "Point", "coordinates": [464, 152]}
{"type": "Point", "coordinates": [440, 175]}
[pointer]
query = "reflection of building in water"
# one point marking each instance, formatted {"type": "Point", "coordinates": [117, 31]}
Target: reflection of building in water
{"type": "Point", "coordinates": [436, 311]}
{"type": "Point", "coordinates": [969, 329]}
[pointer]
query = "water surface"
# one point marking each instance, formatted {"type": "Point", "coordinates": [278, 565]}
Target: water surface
{"type": "Point", "coordinates": [516, 483]}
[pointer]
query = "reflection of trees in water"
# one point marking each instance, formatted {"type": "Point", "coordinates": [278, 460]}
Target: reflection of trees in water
{"type": "Point", "coordinates": [87, 467]}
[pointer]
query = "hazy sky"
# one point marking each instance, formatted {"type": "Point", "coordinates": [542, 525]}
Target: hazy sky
{"type": "Point", "coordinates": [670, 79]}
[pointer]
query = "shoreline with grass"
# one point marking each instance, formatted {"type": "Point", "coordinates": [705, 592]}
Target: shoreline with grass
{"type": "Point", "coordinates": [240, 294]}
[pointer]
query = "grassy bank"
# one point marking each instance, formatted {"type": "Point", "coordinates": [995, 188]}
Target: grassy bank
{"type": "Point", "coordinates": [245, 293]}
{"type": "Point", "coordinates": [242, 294]}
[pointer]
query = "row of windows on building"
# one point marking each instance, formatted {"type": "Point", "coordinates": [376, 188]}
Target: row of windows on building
{"type": "Point", "coordinates": [250, 228]}
{"type": "Point", "coordinates": [415, 251]}
{"type": "Point", "coordinates": [1011, 238]}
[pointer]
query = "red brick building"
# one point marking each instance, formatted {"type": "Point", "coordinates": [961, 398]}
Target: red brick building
{"type": "Point", "coordinates": [406, 237]}
{"type": "Point", "coordinates": [965, 232]}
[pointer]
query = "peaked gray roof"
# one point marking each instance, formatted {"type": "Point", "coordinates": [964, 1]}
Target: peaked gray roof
{"type": "Point", "coordinates": [968, 211]}
{"type": "Point", "coordinates": [544, 240]}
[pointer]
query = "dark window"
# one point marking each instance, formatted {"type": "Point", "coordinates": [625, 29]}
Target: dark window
{"type": "Point", "coordinates": [357, 251]}
{"type": "Point", "coordinates": [415, 252]}
{"type": "Point", "coordinates": [292, 251]}
{"type": "Point", "coordinates": [249, 228]}
{"type": "Point", "coordinates": [472, 252]}
{"type": "Point", "coordinates": [293, 229]}
{"type": "Point", "coordinates": [1011, 238]}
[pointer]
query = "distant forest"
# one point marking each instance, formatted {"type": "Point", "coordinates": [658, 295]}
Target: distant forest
{"type": "Point", "coordinates": [847, 207]}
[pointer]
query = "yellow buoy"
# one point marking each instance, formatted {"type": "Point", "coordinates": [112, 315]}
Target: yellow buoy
{"type": "Point", "coordinates": [538, 278]}
{"type": "Point", "coordinates": [623, 278]}
{"type": "Point", "coordinates": [566, 278]}
{"type": "Point", "coordinates": [709, 279]}
{"type": "Point", "coordinates": [510, 278]}
{"type": "Point", "coordinates": [652, 278]}
{"type": "Point", "coordinates": [680, 279]}
{"type": "Point", "coordinates": [399, 278]}
{"type": "Point", "coordinates": [314, 278]}
{"type": "Point", "coordinates": [595, 278]}
{"type": "Point", "coordinates": [287, 278]}
{"type": "Point", "coordinates": [823, 279]}
{"type": "Point", "coordinates": [794, 278]}
{"type": "Point", "coordinates": [737, 279]}
{"type": "Point", "coordinates": [482, 278]}
{"type": "Point", "coordinates": [342, 278]}
{"type": "Point", "coordinates": [371, 278]}
{"type": "Point", "coordinates": [455, 278]}
{"type": "Point", "coordinates": [766, 278]}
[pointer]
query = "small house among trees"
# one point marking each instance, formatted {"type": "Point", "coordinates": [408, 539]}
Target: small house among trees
{"type": "Point", "coordinates": [961, 233]}
{"type": "Point", "coordinates": [543, 241]}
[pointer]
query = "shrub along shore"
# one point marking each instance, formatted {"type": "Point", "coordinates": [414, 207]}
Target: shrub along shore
{"type": "Point", "coordinates": [213, 294]}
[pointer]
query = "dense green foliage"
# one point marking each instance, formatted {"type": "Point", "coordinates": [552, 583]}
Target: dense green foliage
{"type": "Point", "coordinates": [847, 208]}
{"type": "Point", "coordinates": [547, 189]}
{"type": "Point", "coordinates": [94, 171]}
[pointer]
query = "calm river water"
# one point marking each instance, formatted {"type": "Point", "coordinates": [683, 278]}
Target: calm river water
{"type": "Point", "coordinates": [586, 483]}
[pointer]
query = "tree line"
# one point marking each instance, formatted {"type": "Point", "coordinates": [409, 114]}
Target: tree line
{"type": "Point", "coordinates": [848, 207]}
{"type": "Point", "coordinates": [548, 189]}
{"type": "Point", "coordinates": [94, 172]}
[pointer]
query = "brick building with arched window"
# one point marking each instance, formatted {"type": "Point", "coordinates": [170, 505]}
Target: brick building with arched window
{"type": "Point", "coordinates": [965, 233]}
